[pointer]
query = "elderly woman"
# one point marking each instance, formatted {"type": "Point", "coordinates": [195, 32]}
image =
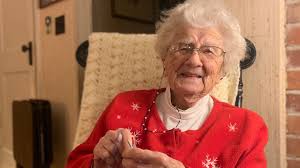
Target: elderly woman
{"type": "Point", "coordinates": [181, 125]}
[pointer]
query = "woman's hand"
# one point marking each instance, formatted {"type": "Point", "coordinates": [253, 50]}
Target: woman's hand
{"type": "Point", "coordinates": [107, 152]}
{"type": "Point", "coordinates": [139, 158]}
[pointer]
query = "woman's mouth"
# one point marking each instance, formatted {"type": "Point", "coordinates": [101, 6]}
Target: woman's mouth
{"type": "Point", "coordinates": [190, 75]}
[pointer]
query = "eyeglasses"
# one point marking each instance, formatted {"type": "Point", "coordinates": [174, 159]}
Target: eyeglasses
{"type": "Point", "coordinates": [188, 50]}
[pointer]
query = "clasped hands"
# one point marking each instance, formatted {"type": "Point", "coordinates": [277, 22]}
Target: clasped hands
{"type": "Point", "coordinates": [116, 149]}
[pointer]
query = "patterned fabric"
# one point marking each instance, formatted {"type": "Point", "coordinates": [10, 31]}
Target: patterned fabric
{"type": "Point", "coordinates": [122, 62]}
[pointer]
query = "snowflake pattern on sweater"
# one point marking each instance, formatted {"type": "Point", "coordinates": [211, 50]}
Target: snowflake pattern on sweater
{"type": "Point", "coordinates": [210, 162]}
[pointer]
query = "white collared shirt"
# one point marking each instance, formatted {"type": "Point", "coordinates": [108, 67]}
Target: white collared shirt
{"type": "Point", "coordinates": [190, 119]}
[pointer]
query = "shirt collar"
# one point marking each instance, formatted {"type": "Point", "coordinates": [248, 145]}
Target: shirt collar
{"type": "Point", "coordinates": [201, 105]}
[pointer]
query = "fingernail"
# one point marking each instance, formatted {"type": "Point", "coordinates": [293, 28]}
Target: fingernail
{"type": "Point", "coordinates": [133, 142]}
{"type": "Point", "coordinates": [119, 137]}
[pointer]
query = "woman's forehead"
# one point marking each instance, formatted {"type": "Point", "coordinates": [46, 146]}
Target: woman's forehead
{"type": "Point", "coordinates": [207, 35]}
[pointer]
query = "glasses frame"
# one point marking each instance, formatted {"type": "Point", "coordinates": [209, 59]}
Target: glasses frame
{"type": "Point", "coordinates": [190, 49]}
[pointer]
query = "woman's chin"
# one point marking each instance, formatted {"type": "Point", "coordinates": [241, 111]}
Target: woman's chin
{"type": "Point", "coordinates": [190, 89]}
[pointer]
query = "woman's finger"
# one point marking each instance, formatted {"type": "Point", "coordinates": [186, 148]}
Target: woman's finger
{"type": "Point", "coordinates": [104, 156]}
{"type": "Point", "coordinates": [147, 159]}
{"type": "Point", "coordinates": [129, 163]}
{"type": "Point", "coordinates": [145, 156]}
{"type": "Point", "coordinates": [127, 142]}
{"type": "Point", "coordinates": [107, 149]}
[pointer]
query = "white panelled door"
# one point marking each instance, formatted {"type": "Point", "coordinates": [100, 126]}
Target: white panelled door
{"type": "Point", "coordinates": [17, 76]}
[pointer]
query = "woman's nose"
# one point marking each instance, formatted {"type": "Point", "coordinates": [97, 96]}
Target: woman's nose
{"type": "Point", "coordinates": [195, 59]}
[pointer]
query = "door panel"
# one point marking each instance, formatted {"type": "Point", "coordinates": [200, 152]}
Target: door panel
{"type": "Point", "coordinates": [17, 77]}
{"type": "Point", "coordinates": [17, 16]}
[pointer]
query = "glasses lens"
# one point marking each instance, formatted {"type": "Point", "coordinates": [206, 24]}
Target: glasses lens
{"type": "Point", "coordinates": [188, 49]}
{"type": "Point", "coordinates": [211, 51]}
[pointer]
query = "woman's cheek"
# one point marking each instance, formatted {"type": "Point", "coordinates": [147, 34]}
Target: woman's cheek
{"type": "Point", "coordinates": [212, 77]}
{"type": "Point", "coordinates": [171, 75]}
{"type": "Point", "coordinates": [171, 66]}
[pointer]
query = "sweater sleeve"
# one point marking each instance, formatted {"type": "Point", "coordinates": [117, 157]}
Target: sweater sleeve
{"type": "Point", "coordinates": [254, 156]}
{"type": "Point", "coordinates": [82, 156]}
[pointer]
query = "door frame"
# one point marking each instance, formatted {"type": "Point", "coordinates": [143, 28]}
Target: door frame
{"type": "Point", "coordinates": [37, 49]}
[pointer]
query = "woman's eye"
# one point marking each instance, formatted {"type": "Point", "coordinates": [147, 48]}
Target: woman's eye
{"type": "Point", "coordinates": [185, 48]}
{"type": "Point", "coordinates": [207, 51]}
{"type": "Point", "coordinates": [183, 51]}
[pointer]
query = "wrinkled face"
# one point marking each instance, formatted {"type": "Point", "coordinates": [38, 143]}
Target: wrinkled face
{"type": "Point", "coordinates": [195, 73]}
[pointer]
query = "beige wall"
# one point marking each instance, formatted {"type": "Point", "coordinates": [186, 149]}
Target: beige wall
{"type": "Point", "coordinates": [57, 73]}
{"type": "Point", "coordinates": [84, 19]}
{"type": "Point", "coordinates": [265, 81]}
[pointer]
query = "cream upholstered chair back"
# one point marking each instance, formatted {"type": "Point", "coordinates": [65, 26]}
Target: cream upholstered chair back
{"type": "Point", "coordinates": [120, 62]}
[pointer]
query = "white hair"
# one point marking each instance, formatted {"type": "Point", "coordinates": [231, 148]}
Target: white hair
{"type": "Point", "coordinates": [203, 13]}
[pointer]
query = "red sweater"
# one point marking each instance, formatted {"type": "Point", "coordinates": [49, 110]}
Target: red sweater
{"type": "Point", "coordinates": [230, 137]}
